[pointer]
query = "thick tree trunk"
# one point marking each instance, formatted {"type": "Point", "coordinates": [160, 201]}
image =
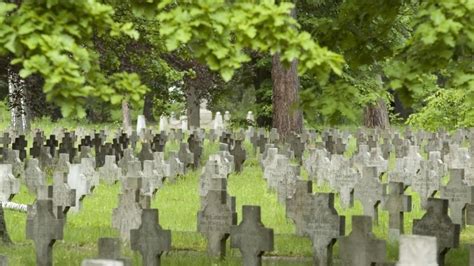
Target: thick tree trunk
{"type": "Point", "coordinates": [192, 108]}
{"type": "Point", "coordinates": [20, 120]}
{"type": "Point", "coordinates": [376, 115]}
{"type": "Point", "coordinates": [286, 116]}
{"type": "Point", "coordinates": [148, 107]}
{"type": "Point", "coordinates": [127, 121]}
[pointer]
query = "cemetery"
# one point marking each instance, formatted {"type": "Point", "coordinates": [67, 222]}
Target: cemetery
{"type": "Point", "coordinates": [236, 133]}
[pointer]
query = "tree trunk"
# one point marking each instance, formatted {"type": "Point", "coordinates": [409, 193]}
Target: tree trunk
{"type": "Point", "coordinates": [127, 123]}
{"type": "Point", "coordinates": [376, 115]}
{"type": "Point", "coordinates": [148, 107]}
{"type": "Point", "coordinates": [192, 108]}
{"type": "Point", "coordinates": [286, 117]}
{"type": "Point", "coordinates": [20, 121]}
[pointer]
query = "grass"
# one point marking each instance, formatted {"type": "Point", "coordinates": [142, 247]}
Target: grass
{"type": "Point", "coordinates": [178, 204]}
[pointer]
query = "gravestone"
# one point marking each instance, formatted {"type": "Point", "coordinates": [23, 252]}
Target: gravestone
{"type": "Point", "coordinates": [9, 185]}
{"type": "Point", "coordinates": [20, 145]}
{"type": "Point", "coordinates": [124, 161]}
{"type": "Point", "coordinates": [127, 215]}
{"type": "Point", "coordinates": [52, 143]}
{"type": "Point", "coordinates": [251, 237]}
{"type": "Point", "coordinates": [141, 126]}
{"type": "Point", "coordinates": [361, 247]}
{"type": "Point", "coordinates": [323, 225]}
{"type": "Point", "coordinates": [215, 220]}
{"type": "Point", "coordinates": [110, 249]}
{"type": "Point", "coordinates": [45, 159]}
{"type": "Point", "coordinates": [344, 183]}
{"type": "Point", "coordinates": [437, 223]}
{"type": "Point", "coordinates": [417, 250]}
{"type": "Point", "coordinates": [396, 203]}
{"type": "Point", "coordinates": [4, 236]}
{"type": "Point", "coordinates": [195, 147]}
{"type": "Point", "coordinates": [60, 193]}
{"type": "Point", "coordinates": [62, 164]}
{"type": "Point", "coordinates": [152, 181]}
{"type": "Point", "coordinates": [386, 148]}
{"type": "Point", "coordinates": [458, 194]}
{"type": "Point", "coordinates": [146, 153]}
{"type": "Point", "coordinates": [370, 192]}
{"type": "Point", "coordinates": [185, 156]}
{"type": "Point", "coordinates": [317, 165]}
{"type": "Point", "coordinates": [79, 182]}
{"type": "Point", "coordinates": [110, 173]}
{"type": "Point", "coordinates": [150, 239]}
{"type": "Point", "coordinates": [426, 183]}
{"type": "Point", "coordinates": [240, 155]}
{"type": "Point", "coordinates": [299, 204]}
{"type": "Point", "coordinates": [287, 182]}
{"type": "Point", "coordinates": [18, 167]}
{"type": "Point", "coordinates": [44, 229]}
{"type": "Point", "coordinates": [176, 166]}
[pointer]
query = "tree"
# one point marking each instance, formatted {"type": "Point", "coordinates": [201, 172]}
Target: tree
{"type": "Point", "coordinates": [55, 39]}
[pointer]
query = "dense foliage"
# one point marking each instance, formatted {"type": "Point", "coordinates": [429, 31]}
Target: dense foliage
{"type": "Point", "coordinates": [91, 55]}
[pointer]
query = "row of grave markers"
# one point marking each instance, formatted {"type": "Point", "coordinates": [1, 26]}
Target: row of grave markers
{"type": "Point", "coordinates": [137, 186]}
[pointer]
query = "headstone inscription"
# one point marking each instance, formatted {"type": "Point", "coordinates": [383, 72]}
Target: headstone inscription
{"type": "Point", "coordinates": [215, 221]}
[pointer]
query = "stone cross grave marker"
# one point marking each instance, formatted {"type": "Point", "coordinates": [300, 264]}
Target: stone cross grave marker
{"type": "Point", "coordinates": [344, 183]}
{"type": "Point", "coordinates": [323, 225]}
{"type": "Point", "coordinates": [52, 143]}
{"type": "Point", "coordinates": [215, 220]}
{"type": "Point", "coordinates": [45, 159]}
{"type": "Point", "coordinates": [20, 145]}
{"type": "Point", "coordinates": [458, 194]}
{"type": "Point", "coordinates": [417, 250]}
{"type": "Point", "coordinates": [387, 148]}
{"type": "Point", "coordinates": [176, 166]}
{"type": "Point", "coordinates": [273, 137]}
{"type": "Point", "coordinates": [152, 181]}
{"type": "Point", "coordinates": [426, 183]}
{"type": "Point", "coordinates": [299, 204]}
{"type": "Point", "coordinates": [240, 155]}
{"type": "Point", "coordinates": [110, 173]}
{"type": "Point", "coordinates": [78, 181]}
{"type": "Point", "coordinates": [18, 167]}
{"type": "Point", "coordinates": [44, 229]}
{"type": "Point", "coordinates": [437, 223]}
{"type": "Point", "coordinates": [361, 247]}
{"type": "Point", "coordinates": [60, 193]}
{"type": "Point", "coordinates": [4, 236]}
{"type": "Point", "coordinates": [251, 237]}
{"type": "Point", "coordinates": [150, 239]}
{"type": "Point", "coordinates": [185, 155]}
{"type": "Point", "coordinates": [127, 215]}
{"type": "Point", "coordinates": [396, 203]}
{"type": "Point", "coordinates": [62, 163]}
{"type": "Point", "coordinates": [370, 192]}
{"type": "Point", "coordinates": [9, 185]}
{"type": "Point", "coordinates": [127, 157]}
{"type": "Point", "coordinates": [195, 147]}
{"type": "Point", "coordinates": [146, 153]}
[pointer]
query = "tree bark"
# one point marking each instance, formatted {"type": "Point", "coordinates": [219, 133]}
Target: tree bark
{"type": "Point", "coordinates": [286, 117]}
{"type": "Point", "coordinates": [192, 108]}
{"type": "Point", "coordinates": [20, 119]}
{"type": "Point", "coordinates": [148, 107]}
{"type": "Point", "coordinates": [376, 114]}
{"type": "Point", "coordinates": [127, 123]}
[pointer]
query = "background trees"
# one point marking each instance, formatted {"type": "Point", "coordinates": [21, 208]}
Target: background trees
{"type": "Point", "coordinates": [383, 58]}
